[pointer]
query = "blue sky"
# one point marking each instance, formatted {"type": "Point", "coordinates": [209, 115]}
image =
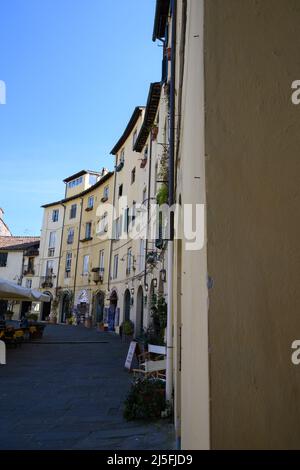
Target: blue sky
{"type": "Point", "coordinates": [74, 70]}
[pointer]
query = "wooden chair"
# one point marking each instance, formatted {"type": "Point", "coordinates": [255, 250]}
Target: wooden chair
{"type": "Point", "coordinates": [152, 363]}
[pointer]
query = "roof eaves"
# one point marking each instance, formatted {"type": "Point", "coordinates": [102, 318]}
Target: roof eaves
{"type": "Point", "coordinates": [150, 113]}
{"type": "Point", "coordinates": [135, 115]}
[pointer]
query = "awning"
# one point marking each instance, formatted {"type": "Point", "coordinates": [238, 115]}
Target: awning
{"type": "Point", "coordinates": [10, 290]}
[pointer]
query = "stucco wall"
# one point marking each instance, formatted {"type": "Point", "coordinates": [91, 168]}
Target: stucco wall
{"type": "Point", "coordinates": [252, 146]}
{"type": "Point", "coordinates": [191, 349]}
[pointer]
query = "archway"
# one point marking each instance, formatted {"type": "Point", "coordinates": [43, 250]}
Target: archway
{"type": "Point", "coordinates": [65, 306]}
{"type": "Point", "coordinates": [46, 306]}
{"type": "Point", "coordinates": [127, 298]}
{"type": "Point", "coordinates": [99, 307]}
{"type": "Point", "coordinates": [139, 312]}
{"type": "Point", "coordinates": [113, 302]}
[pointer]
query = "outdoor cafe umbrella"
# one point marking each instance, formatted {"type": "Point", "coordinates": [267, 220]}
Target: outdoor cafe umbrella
{"type": "Point", "coordinates": [10, 290]}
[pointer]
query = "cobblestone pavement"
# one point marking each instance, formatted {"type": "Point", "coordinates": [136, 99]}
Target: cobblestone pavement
{"type": "Point", "coordinates": [69, 395]}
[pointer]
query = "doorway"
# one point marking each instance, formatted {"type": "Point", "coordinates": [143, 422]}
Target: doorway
{"type": "Point", "coordinates": [46, 307]}
{"type": "Point", "coordinates": [99, 307]}
{"type": "Point", "coordinates": [113, 301]}
{"type": "Point", "coordinates": [65, 307]}
{"type": "Point", "coordinates": [127, 298]}
{"type": "Point", "coordinates": [139, 327]}
{"type": "Point", "coordinates": [25, 308]}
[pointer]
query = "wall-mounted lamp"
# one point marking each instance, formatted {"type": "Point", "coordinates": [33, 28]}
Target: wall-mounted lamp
{"type": "Point", "coordinates": [132, 291]}
{"type": "Point", "coordinates": [146, 287]}
{"type": "Point", "coordinates": [154, 282]}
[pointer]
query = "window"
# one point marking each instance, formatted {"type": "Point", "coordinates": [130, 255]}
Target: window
{"type": "Point", "coordinates": [102, 227]}
{"type": "Point", "coordinates": [28, 283]}
{"type": "Point", "coordinates": [75, 182]}
{"type": "Point", "coordinates": [142, 255]}
{"type": "Point", "coordinates": [115, 270]}
{"type": "Point", "coordinates": [49, 267]}
{"type": "Point", "coordinates": [88, 230]}
{"type": "Point", "coordinates": [133, 213]}
{"type": "Point", "coordinates": [3, 260]}
{"type": "Point", "coordinates": [52, 243]}
{"type": "Point", "coordinates": [122, 157]}
{"type": "Point", "coordinates": [146, 152]}
{"type": "Point", "coordinates": [106, 192]}
{"type": "Point", "coordinates": [117, 228]}
{"type": "Point", "coordinates": [126, 220]}
{"type": "Point", "coordinates": [90, 202]}
{"type": "Point", "coordinates": [134, 138]}
{"type": "Point", "coordinates": [133, 175]}
{"type": "Point", "coordinates": [30, 267]}
{"type": "Point", "coordinates": [120, 190]}
{"type": "Point", "coordinates": [92, 179]}
{"type": "Point", "coordinates": [68, 263]}
{"type": "Point", "coordinates": [101, 260]}
{"type": "Point", "coordinates": [73, 211]}
{"type": "Point", "coordinates": [70, 236]}
{"type": "Point", "coordinates": [129, 261]}
{"type": "Point", "coordinates": [86, 260]}
{"type": "Point", "coordinates": [55, 215]}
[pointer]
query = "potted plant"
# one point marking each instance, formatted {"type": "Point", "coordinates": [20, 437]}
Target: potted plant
{"type": "Point", "coordinates": [88, 321]}
{"type": "Point", "coordinates": [127, 328]}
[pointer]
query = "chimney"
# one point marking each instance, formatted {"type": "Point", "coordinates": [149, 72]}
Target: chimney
{"type": "Point", "coordinates": [1, 213]}
{"type": "Point", "coordinates": [104, 172]}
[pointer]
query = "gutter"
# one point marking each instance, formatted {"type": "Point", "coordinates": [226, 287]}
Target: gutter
{"type": "Point", "coordinates": [169, 367]}
{"type": "Point", "coordinates": [60, 248]}
{"type": "Point", "coordinates": [112, 221]}
{"type": "Point", "coordinates": [77, 250]}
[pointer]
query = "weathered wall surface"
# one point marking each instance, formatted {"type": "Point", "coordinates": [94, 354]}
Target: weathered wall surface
{"type": "Point", "coordinates": [252, 55]}
{"type": "Point", "coordinates": [191, 349]}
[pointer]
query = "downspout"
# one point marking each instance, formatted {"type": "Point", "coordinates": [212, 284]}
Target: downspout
{"type": "Point", "coordinates": [77, 250]}
{"type": "Point", "coordinates": [112, 216]}
{"type": "Point", "coordinates": [169, 367]}
{"type": "Point", "coordinates": [60, 248]}
{"type": "Point", "coordinates": [148, 208]}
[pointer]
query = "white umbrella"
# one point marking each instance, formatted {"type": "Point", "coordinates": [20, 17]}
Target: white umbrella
{"type": "Point", "coordinates": [10, 290]}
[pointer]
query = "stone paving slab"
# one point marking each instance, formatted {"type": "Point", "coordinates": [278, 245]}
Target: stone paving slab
{"type": "Point", "coordinates": [70, 394]}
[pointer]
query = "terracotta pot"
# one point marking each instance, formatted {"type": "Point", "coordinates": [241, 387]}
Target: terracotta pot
{"type": "Point", "coordinates": [88, 323]}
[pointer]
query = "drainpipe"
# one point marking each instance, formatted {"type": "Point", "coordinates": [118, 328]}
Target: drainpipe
{"type": "Point", "coordinates": [112, 216]}
{"type": "Point", "coordinates": [77, 250]}
{"type": "Point", "coordinates": [60, 248]}
{"type": "Point", "coordinates": [169, 367]}
{"type": "Point", "coordinates": [148, 208]}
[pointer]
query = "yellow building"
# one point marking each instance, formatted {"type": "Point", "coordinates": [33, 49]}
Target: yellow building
{"type": "Point", "coordinates": [80, 273]}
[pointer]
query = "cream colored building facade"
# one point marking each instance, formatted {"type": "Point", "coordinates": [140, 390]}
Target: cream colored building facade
{"type": "Point", "coordinates": [236, 301]}
{"type": "Point", "coordinates": [79, 265]}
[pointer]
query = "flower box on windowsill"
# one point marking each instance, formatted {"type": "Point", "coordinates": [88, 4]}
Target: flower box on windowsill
{"type": "Point", "coordinates": [104, 199]}
{"type": "Point", "coordinates": [86, 239]}
{"type": "Point", "coordinates": [143, 163]}
{"type": "Point", "coordinates": [89, 209]}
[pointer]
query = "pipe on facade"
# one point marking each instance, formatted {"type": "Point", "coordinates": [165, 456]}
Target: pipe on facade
{"type": "Point", "coordinates": [169, 367]}
{"type": "Point", "coordinates": [148, 209]}
{"type": "Point", "coordinates": [77, 250]}
{"type": "Point", "coordinates": [60, 248]}
{"type": "Point", "coordinates": [112, 221]}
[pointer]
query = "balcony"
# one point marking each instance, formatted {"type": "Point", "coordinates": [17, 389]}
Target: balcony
{"type": "Point", "coordinates": [86, 239]}
{"type": "Point", "coordinates": [47, 281]}
{"type": "Point", "coordinates": [28, 272]}
{"type": "Point", "coordinates": [104, 199]}
{"type": "Point", "coordinates": [120, 166]}
{"type": "Point", "coordinates": [98, 274]}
